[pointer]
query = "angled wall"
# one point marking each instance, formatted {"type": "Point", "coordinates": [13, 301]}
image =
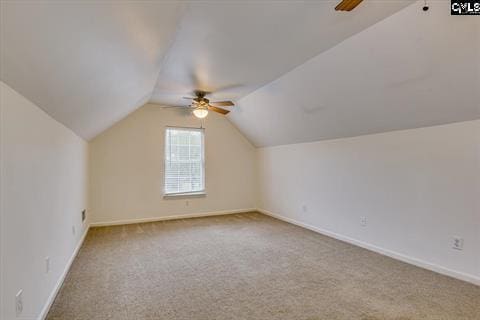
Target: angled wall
{"type": "Point", "coordinates": [43, 192]}
{"type": "Point", "coordinates": [413, 69]}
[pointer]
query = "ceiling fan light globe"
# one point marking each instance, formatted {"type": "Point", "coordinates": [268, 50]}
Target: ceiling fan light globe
{"type": "Point", "coordinates": [200, 113]}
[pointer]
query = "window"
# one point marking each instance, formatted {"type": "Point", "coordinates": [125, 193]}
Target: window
{"type": "Point", "coordinates": [184, 161]}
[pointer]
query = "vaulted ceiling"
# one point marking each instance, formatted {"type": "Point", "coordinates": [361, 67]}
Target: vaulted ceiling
{"type": "Point", "coordinates": [411, 70]}
{"type": "Point", "coordinates": [87, 64]}
{"type": "Point", "coordinates": [299, 71]}
{"type": "Point", "coordinates": [236, 47]}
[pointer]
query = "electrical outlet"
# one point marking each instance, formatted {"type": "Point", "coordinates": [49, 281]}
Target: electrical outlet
{"type": "Point", "coordinates": [84, 214]}
{"type": "Point", "coordinates": [73, 230]}
{"type": "Point", "coordinates": [457, 243]}
{"type": "Point", "coordinates": [19, 303]}
{"type": "Point", "coordinates": [47, 264]}
{"type": "Point", "coordinates": [363, 221]}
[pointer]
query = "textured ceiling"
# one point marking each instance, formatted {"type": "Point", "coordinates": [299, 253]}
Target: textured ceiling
{"type": "Point", "coordinates": [89, 64]}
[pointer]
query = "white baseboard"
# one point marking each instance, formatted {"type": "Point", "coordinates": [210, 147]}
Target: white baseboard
{"type": "Point", "coordinates": [389, 253]}
{"type": "Point", "coordinates": [58, 285]}
{"type": "Point", "coordinates": [392, 254]}
{"type": "Point", "coordinates": [174, 217]}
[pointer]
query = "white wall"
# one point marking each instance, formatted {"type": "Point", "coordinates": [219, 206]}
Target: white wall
{"type": "Point", "coordinates": [43, 191]}
{"type": "Point", "coordinates": [126, 176]}
{"type": "Point", "coordinates": [417, 188]}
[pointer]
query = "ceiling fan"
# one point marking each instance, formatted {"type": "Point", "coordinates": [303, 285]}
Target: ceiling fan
{"type": "Point", "coordinates": [347, 5]}
{"type": "Point", "coordinates": [202, 105]}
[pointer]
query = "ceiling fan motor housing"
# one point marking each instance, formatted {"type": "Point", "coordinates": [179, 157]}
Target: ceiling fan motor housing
{"type": "Point", "coordinates": [201, 101]}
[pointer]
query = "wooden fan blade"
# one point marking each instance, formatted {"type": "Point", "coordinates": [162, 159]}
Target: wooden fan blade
{"type": "Point", "coordinates": [219, 110]}
{"type": "Point", "coordinates": [190, 98]}
{"type": "Point", "coordinates": [222, 103]}
{"type": "Point", "coordinates": [347, 5]}
{"type": "Point", "coordinates": [342, 6]}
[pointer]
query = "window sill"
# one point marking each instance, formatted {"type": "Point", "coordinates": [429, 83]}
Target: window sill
{"type": "Point", "coordinates": [185, 195]}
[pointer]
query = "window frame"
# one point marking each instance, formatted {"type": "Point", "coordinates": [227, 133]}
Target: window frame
{"type": "Point", "coordinates": [202, 192]}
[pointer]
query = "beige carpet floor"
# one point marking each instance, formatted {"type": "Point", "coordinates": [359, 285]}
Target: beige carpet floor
{"type": "Point", "coordinates": [248, 266]}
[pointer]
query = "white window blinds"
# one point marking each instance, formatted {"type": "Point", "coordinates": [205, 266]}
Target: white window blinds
{"type": "Point", "coordinates": [184, 160]}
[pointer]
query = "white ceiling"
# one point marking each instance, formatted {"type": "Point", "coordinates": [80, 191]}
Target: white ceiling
{"type": "Point", "coordinates": [90, 64]}
{"type": "Point", "coordinates": [238, 46]}
{"type": "Point", "coordinates": [86, 64]}
{"type": "Point", "coordinates": [299, 70]}
{"type": "Point", "coordinates": [411, 70]}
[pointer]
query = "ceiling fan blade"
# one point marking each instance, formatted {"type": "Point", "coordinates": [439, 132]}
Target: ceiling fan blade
{"type": "Point", "coordinates": [222, 103]}
{"type": "Point", "coordinates": [219, 110]}
{"type": "Point", "coordinates": [342, 6]}
{"type": "Point", "coordinates": [190, 98]}
{"type": "Point", "coordinates": [347, 5]}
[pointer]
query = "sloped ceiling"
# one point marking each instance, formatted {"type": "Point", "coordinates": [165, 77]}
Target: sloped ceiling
{"type": "Point", "coordinates": [86, 64]}
{"type": "Point", "coordinates": [299, 71]}
{"type": "Point", "coordinates": [90, 64]}
{"type": "Point", "coordinates": [233, 48]}
{"type": "Point", "coordinates": [411, 70]}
